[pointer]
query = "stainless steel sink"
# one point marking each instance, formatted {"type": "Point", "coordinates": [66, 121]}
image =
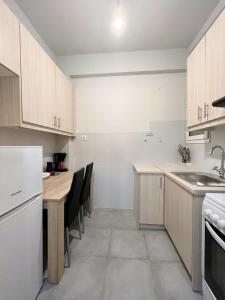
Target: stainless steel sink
{"type": "Point", "coordinates": [200, 179]}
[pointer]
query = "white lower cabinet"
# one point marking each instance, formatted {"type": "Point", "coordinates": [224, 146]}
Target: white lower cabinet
{"type": "Point", "coordinates": [149, 199]}
{"type": "Point", "coordinates": [182, 218]}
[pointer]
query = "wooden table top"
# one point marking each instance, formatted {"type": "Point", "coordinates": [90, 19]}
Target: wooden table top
{"type": "Point", "coordinates": [55, 188]}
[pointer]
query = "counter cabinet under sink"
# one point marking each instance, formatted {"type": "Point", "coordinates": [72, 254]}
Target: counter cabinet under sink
{"type": "Point", "coordinates": [201, 179]}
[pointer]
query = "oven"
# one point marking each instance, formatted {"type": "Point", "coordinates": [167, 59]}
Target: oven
{"type": "Point", "coordinates": [213, 247]}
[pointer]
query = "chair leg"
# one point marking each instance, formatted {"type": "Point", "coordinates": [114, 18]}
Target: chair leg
{"type": "Point", "coordinates": [82, 217]}
{"type": "Point", "coordinates": [68, 246]}
{"type": "Point", "coordinates": [88, 212]}
{"type": "Point", "coordinates": [78, 218]}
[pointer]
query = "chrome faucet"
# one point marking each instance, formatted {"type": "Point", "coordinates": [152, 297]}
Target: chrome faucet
{"type": "Point", "coordinates": [220, 170]}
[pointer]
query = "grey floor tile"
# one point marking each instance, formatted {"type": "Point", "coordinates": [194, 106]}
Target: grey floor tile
{"type": "Point", "coordinates": [95, 242]}
{"type": "Point", "coordinates": [127, 274]}
{"type": "Point", "coordinates": [123, 219]}
{"type": "Point", "coordinates": [159, 246]}
{"type": "Point", "coordinates": [129, 279]}
{"type": "Point", "coordinates": [82, 281]}
{"type": "Point", "coordinates": [128, 244]}
{"type": "Point", "coordinates": [172, 281]}
{"type": "Point", "coordinates": [100, 218]}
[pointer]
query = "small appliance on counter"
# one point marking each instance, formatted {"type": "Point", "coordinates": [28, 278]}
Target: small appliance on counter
{"type": "Point", "coordinates": [58, 159]}
{"type": "Point", "coordinates": [49, 167]}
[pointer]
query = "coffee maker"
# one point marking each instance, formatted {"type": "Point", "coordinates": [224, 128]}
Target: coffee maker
{"type": "Point", "coordinates": [58, 159]}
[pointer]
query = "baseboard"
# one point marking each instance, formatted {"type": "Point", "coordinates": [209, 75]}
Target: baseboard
{"type": "Point", "coordinates": [151, 226]}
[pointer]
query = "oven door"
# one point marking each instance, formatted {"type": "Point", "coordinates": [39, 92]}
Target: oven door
{"type": "Point", "coordinates": [214, 264]}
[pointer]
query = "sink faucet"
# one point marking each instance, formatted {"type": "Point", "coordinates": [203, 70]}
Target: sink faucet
{"type": "Point", "coordinates": [220, 170]}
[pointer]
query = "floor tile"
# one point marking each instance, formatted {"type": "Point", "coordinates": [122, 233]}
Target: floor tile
{"type": "Point", "coordinates": [123, 219]}
{"type": "Point", "coordinates": [128, 244]}
{"type": "Point", "coordinates": [172, 281]}
{"type": "Point", "coordinates": [128, 273]}
{"type": "Point", "coordinates": [159, 246]}
{"type": "Point", "coordinates": [95, 242]}
{"type": "Point", "coordinates": [129, 279]}
{"type": "Point", "coordinates": [82, 281]}
{"type": "Point", "coordinates": [101, 218]}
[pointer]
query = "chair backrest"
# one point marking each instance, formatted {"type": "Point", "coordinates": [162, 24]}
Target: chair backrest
{"type": "Point", "coordinates": [72, 204]}
{"type": "Point", "coordinates": [86, 183]}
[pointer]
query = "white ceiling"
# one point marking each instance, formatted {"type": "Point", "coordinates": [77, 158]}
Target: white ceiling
{"type": "Point", "coordinates": [84, 26]}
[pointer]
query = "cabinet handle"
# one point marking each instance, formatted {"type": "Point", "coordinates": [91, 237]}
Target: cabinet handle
{"type": "Point", "coordinates": [160, 182]}
{"type": "Point", "coordinates": [199, 113]}
{"type": "Point", "coordinates": [55, 121]}
{"type": "Point", "coordinates": [59, 122]}
{"type": "Point", "coordinates": [206, 110]}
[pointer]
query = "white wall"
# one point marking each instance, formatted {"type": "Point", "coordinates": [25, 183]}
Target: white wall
{"type": "Point", "coordinates": [116, 113]}
{"type": "Point", "coordinates": [123, 62]}
{"type": "Point", "coordinates": [128, 103]}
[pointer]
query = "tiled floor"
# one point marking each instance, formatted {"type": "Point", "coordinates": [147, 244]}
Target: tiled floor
{"type": "Point", "coordinates": [114, 261]}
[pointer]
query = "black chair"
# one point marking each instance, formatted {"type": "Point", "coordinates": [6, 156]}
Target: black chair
{"type": "Point", "coordinates": [85, 193]}
{"type": "Point", "coordinates": [72, 207]}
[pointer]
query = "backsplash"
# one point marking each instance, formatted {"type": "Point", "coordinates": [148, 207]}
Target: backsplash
{"type": "Point", "coordinates": [114, 153]}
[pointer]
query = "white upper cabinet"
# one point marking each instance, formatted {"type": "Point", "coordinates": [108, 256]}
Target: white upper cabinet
{"type": "Point", "coordinates": [38, 82]}
{"type": "Point", "coordinates": [206, 77]}
{"type": "Point", "coordinates": [215, 65]}
{"type": "Point", "coordinates": [196, 99]}
{"type": "Point", "coordinates": [64, 102]}
{"type": "Point", "coordinates": [9, 39]}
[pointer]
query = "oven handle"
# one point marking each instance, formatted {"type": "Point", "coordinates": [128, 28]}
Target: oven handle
{"type": "Point", "coordinates": [215, 236]}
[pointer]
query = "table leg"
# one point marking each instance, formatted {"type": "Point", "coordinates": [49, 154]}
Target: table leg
{"type": "Point", "coordinates": [55, 241]}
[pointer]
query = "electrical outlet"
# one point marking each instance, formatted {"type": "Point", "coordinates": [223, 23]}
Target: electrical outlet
{"type": "Point", "coordinates": [84, 138]}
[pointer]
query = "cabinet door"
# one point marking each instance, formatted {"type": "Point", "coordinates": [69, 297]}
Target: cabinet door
{"type": "Point", "coordinates": [151, 199]}
{"type": "Point", "coordinates": [9, 39]}
{"type": "Point", "coordinates": [196, 102]}
{"type": "Point", "coordinates": [38, 82]}
{"type": "Point", "coordinates": [178, 219]}
{"type": "Point", "coordinates": [215, 65]}
{"type": "Point", "coordinates": [64, 100]}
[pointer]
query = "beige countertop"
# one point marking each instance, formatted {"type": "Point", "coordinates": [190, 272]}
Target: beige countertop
{"type": "Point", "coordinates": [142, 168]}
{"type": "Point", "coordinates": [147, 169]}
{"type": "Point", "coordinates": [167, 170]}
{"type": "Point", "coordinates": [55, 188]}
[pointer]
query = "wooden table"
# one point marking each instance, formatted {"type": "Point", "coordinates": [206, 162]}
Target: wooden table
{"type": "Point", "coordinates": [55, 190]}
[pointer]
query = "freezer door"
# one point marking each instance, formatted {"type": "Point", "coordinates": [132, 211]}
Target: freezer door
{"type": "Point", "coordinates": [21, 263]}
{"type": "Point", "coordinates": [20, 175]}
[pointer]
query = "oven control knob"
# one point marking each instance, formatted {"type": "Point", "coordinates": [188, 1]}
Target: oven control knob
{"type": "Point", "coordinates": [208, 212]}
{"type": "Point", "coordinates": [221, 224]}
{"type": "Point", "coordinates": [214, 218]}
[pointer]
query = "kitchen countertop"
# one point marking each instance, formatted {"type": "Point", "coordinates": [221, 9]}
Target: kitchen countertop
{"type": "Point", "coordinates": [167, 170]}
{"type": "Point", "coordinates": [55, 188]}
{"type": "Point", "coordinates": [147, 169]}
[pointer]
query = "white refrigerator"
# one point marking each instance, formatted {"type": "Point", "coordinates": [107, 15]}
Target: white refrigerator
{"type": "Point", "coordinates": [21, 262]}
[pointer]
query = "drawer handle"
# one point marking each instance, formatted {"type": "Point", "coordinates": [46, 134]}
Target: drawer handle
{"type": "Point", "coordinates": [199, 113]}
{"type": "Point", "coordinates": [55, 121]}
{"type": "Point", "coordinates": [206, 110]}
{"type": "Point", "coordinates": [16, 193]}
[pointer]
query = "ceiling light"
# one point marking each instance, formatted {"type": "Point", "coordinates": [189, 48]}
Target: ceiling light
{"type": "Point", "coordinates": [118, 23]}
{"type": "Point", "coordinates": [118, 19]}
